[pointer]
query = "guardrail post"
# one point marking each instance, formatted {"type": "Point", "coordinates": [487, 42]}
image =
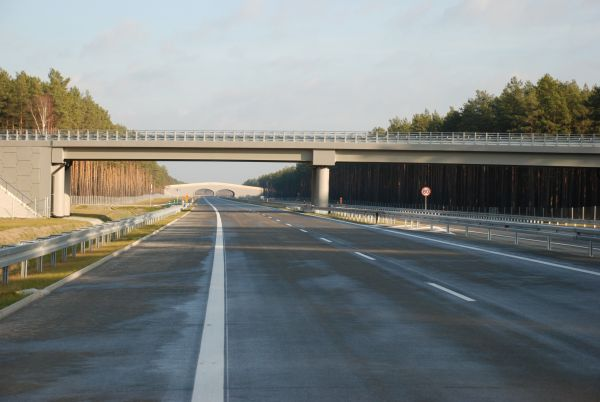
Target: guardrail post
{"type": "Point", "coordinates": [5, 275]}
{"type": "Point", "coordinates": [549, 243]}
{"type": "Point", "coordinates": [517, 238]}
{"type": "Point", "coordinates": [53, 259]}
{"type": "Point", "coordinates": [466, 231]}
{"type": "Point", "coordinates": [74, 251]}
{"type": "Point", "coordinates": [40, 264]}
{"type": "Point", "coordinates": [447, 228]}
{"type": "Point", "coordinates": [24, 266]}
{"type": "Point", "coordinates": [64, 255]}
{"type": "Point", "coordinates": [489, 234]}
{"type": "Point", "coordinates": [591, 252]}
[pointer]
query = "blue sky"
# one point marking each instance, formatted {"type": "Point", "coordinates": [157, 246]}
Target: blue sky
{"type": "Point", "coordinates": [307, 65]}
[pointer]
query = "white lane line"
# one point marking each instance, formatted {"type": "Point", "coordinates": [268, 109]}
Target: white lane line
{"type": "Point", "coordinates": [364, 255]}
{"type": "Point", "coordinates": [466, 247]}
{"type": "Point", "coordinates": [452, 292]}
{"type": "Point", "coordinates": [303, 231]}
{"type": "Point", "coordinates": [325, 240]}
{"type": "Point", "coordinates": [209, 380]}
{"type": "Point", "coordinates": [287, 224]}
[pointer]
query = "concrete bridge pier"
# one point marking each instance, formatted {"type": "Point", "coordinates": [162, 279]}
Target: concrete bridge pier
{"type": "Point", "coordinates": [320, 186]}
{"type": "Point", "coordinates": [61, 190]}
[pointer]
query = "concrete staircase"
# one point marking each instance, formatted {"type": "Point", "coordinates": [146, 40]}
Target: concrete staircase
{"type": "Point", "coordinates": [15, 204]}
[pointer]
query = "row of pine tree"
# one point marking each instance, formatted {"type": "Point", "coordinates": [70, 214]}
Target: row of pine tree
{"type": "Point", "coordinates": [28, 102]}
{"type": "Point", "coordinates": [547, 106]}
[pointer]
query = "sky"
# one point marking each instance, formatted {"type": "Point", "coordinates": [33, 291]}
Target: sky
{"type": "Point", "coordinates": [293, 65]}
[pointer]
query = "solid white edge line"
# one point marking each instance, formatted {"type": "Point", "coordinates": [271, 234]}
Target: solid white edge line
{"type": "Point", "coordinates": [467, 247]}
{"type": "Point", "coordinates": [209, 380]}
{"type": "Point", "coordinates": [364, 255]}
{"type": "Point", "coordinates": [325, 240]}
{"type": "Point", "coordinates": [452, 292]}
{"type": "Point", "coordinates": [303, 231]}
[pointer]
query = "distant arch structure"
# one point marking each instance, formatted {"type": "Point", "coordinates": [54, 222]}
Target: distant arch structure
{"type": "Point", "coordinates": [207, 189]}
{"type": "Point", "coordinates": [226, 193]}
{"type": "Point", "coordinates": [204, 192]}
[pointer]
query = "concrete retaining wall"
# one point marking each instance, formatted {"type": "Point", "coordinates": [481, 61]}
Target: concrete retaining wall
{"type": "Point", "coordinates": [27, 166]}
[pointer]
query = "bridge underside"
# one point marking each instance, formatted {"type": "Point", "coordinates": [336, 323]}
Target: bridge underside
{"type": "Point", "coordinates": [321, 155]}
{"type": "Point", "coordinates": [525, 156]}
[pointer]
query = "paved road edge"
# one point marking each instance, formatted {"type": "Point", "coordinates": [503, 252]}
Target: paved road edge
{"type": "Point", "coordinates": [13, 308]}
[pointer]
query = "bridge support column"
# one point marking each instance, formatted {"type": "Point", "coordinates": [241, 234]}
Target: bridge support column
{"type": "Point", "coordinates": [61, 190]}
{"type": "Point", "coordinates": [67, 200]}
{"type": "Point", "coordinates": [321, 186]}
{"type": "Point", "coordinates": [313, 186]}
{"type": "Point", "coordinates": [58, 190]}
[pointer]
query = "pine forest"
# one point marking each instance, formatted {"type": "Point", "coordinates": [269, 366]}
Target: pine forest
{"type": "Point", "coordinates": [27, 102]}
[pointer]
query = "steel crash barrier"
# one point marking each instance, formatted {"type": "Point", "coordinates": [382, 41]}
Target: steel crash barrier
{"type": "Point", "coordinates": [483, 216]}
{"type": "Point", "coordinates": [80, 240]}
{"type": "Point", "coordinates": [550, 233]}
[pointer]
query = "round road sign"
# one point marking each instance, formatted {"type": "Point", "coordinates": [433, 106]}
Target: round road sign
{"type": "Point", "coordinates": [426, 191]}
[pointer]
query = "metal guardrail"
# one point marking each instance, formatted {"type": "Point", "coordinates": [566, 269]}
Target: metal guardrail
{"type": "Point", "coordinates": [532, 226]}
{"type": "Point", "coordinates": [550, 232]}
{"type": "Point", "coordinates": [424, 138]}
{"type": "Point", "coordinates": [480, 216]}
{"type": "Point", "coordinates": [80, 239]}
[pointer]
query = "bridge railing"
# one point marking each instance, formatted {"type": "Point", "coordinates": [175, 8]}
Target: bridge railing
{"type": "Point", "coordinates": [424, 138]}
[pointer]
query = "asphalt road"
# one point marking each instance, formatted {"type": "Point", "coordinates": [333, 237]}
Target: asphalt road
{"type": "Point", "coordinates": [313, 309]}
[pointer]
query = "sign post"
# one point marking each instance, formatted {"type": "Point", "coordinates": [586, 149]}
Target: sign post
{"type": "Point", "coordinates": [425, 192]}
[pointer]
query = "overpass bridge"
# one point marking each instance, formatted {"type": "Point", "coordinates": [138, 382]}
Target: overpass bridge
{"type": "Point", "coordinates": [37, 163]}
{"type": "Point", "coordinates": [211, 189]}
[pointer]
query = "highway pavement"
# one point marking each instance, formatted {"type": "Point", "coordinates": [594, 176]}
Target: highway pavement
{"type": "Point", "coordinates": [298, 308]}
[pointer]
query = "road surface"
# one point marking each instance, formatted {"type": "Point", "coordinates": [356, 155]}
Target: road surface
{"type": "Point", "coordinates": [299, 308]}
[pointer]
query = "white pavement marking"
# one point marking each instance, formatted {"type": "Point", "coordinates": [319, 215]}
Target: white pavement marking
{"type": "Point", "coordinates": [278, 220]}
{"type": "Point", "coordinates": [364, 255]}
{"type": "Point", "coordinates": [288, 224]}
{"type": "Point", "coordinates": [303, 231]}
{"type": "Point", "coordinates": [452, 292]}
{"type": "Point", "coordinates": [209, 381]}
{"type": "Point", "coordinates": [325, 240]}
{"type": "Point", "coordinates": [467, 247]}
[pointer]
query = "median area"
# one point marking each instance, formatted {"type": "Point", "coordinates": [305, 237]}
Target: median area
{"type": "Point", "coordinates": [45, 261]}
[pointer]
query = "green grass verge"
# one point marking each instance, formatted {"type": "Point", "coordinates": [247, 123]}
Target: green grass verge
{"type": "Point", "coordinates": [111, 213]}
{"type": "Point", "coordinates": [39, 280]}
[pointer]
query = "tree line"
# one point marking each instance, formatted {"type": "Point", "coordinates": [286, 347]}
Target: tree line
{"type": "Point", "coordinates": [547, 106]}
{"type": "Point", "coordinates": [28, 102]}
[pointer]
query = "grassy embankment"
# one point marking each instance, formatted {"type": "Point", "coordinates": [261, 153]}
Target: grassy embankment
{"type": "Point", "coordinates": [13, 231]}
{"type": "Point", "coordinates": [38, 280]}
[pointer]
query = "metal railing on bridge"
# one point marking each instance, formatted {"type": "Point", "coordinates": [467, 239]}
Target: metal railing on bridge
{"type": "Point", "coordinates": [423, 138]}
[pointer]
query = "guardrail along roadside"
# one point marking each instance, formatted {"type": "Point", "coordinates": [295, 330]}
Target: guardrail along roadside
{"type": "Point", "coordinates": [554, 232]}
{"type": "Point", "coordinates": [77, 241]}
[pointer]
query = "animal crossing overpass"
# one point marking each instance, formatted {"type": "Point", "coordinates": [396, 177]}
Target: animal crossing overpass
{"type": "Point", "coordinates": [210, 189]}
{"type": "Point", "coordinates": [38, 163]}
